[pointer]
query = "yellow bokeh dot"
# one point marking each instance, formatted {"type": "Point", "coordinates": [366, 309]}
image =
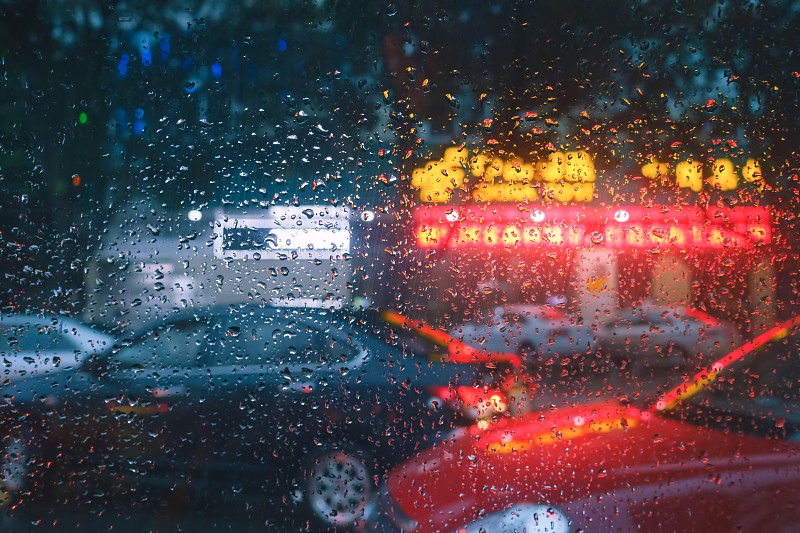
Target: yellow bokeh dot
{"type": "Point", "coordinates": [689, 175]}
{"type": "Point", "coordinates": [494, 169]}
{"type": "Point", "coordinates": [456, 156]}
{"type": "Point", "coordinates": [551, 170]}
{"type": "Point", "coordinates": [583, 192]}
{"type": "Point", "coordinates": [655, 170]}
{"type": "Point", "coordinates": [723, 175]}
{"type": "Point", "coordinates": [477, 164]}
{"type": "Point", "coordinates": [560, 192]}
{"type": "Point", "coordinates": [578, 167]}
{"type": "Point", "coordinates": [751, 171]}
{"type": "Point", "coordinates": [518, 171]}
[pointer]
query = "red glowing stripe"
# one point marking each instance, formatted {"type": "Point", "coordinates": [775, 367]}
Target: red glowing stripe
{"type": "Point", "coordinates": [670, 399]}
{"type": "Point", "coordinates": [613, 227]}
{"type": "Point", "coordinates": [523, 436]}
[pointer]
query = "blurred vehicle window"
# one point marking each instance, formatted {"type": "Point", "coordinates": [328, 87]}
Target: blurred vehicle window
{"type": "Point", "coordinates": [179, 344]}
{"type": "Point", "coordinates": [515, 318]}
{"type": "Point", "coordinates": [278, 341]}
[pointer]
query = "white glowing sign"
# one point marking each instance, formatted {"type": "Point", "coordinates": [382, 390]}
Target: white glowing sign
{"type": "Point", "coordinates": [301, 232]}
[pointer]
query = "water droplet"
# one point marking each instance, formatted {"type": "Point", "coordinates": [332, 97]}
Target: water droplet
{"type": "Point", "coordinates": [308, 212]}
{"type": "Point", "coordinates": [234, 331]}
{"type": "Point", "coordinates": [284, 271]}
{"type": "Point", "coordinates": [257, 256]}
{"type": "Point", "coordinates": [780, 422]}
{"type": "Point", "coordinates": [597, 237]}
{"type": "Point", "coordinates": [273, 272]}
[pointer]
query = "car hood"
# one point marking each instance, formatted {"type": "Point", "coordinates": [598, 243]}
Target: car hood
{"type": "Point", "coordinates": [558, 457]}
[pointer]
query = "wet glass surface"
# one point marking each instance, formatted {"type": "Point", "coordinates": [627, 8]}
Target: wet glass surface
{"type": "Point", "coordinates": [261, 261]}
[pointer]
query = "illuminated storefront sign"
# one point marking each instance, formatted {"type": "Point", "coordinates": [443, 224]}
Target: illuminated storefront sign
{"type": "Point", "coordinates": [442, 227]}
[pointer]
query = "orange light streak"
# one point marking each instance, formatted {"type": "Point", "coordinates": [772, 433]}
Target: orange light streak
{"type": "Point", "coordinates": [687, 389]}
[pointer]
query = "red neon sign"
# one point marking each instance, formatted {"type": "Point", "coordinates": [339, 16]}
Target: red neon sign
{"type": "Point", "coordinates": [441, 227]}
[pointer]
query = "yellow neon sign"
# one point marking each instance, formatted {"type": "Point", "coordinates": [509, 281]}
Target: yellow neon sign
{"type": "Point", "coordinates": [563, 177]}
{"type": "Point", "coordinates": [566, 176]}
{"type": "Point", "coordinates": [689, 174]}
{"type": "Point", "coordinates": [437, 179]}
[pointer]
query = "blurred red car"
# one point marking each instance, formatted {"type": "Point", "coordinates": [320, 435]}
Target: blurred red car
{"type": "Point", "coordinates": [720, 452]}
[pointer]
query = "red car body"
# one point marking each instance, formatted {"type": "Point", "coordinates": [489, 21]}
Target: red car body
{"type": "Point", "coordinates": [609, 467]}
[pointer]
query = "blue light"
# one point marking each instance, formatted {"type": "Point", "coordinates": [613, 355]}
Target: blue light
{"type": "Point", "coordinates": [147, 56]}
{"type": "Point", "coordinates": [216, 70]}
{"type": "Point", "coordinates": [122, 68]}
{"type": "Point", "coordinates": [165, 47]}
{"type": "Point", "coordinates": [138, 127]}
{"type": "Point", "coordinates": [186, 63]}
{"type": "Point", "coordinates": [139, 113]}
{"type": "Point", "coordinates": [281, 45]}
{"type": "Point", "coordinates": [120, 115]}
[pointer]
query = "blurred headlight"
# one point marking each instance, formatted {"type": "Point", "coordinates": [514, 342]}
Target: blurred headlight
{"type": "Point", "coordinates": [528, 518]}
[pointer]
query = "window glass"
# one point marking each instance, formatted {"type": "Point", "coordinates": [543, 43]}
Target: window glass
{"type": "Point", "coordinates": [307, 249]}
